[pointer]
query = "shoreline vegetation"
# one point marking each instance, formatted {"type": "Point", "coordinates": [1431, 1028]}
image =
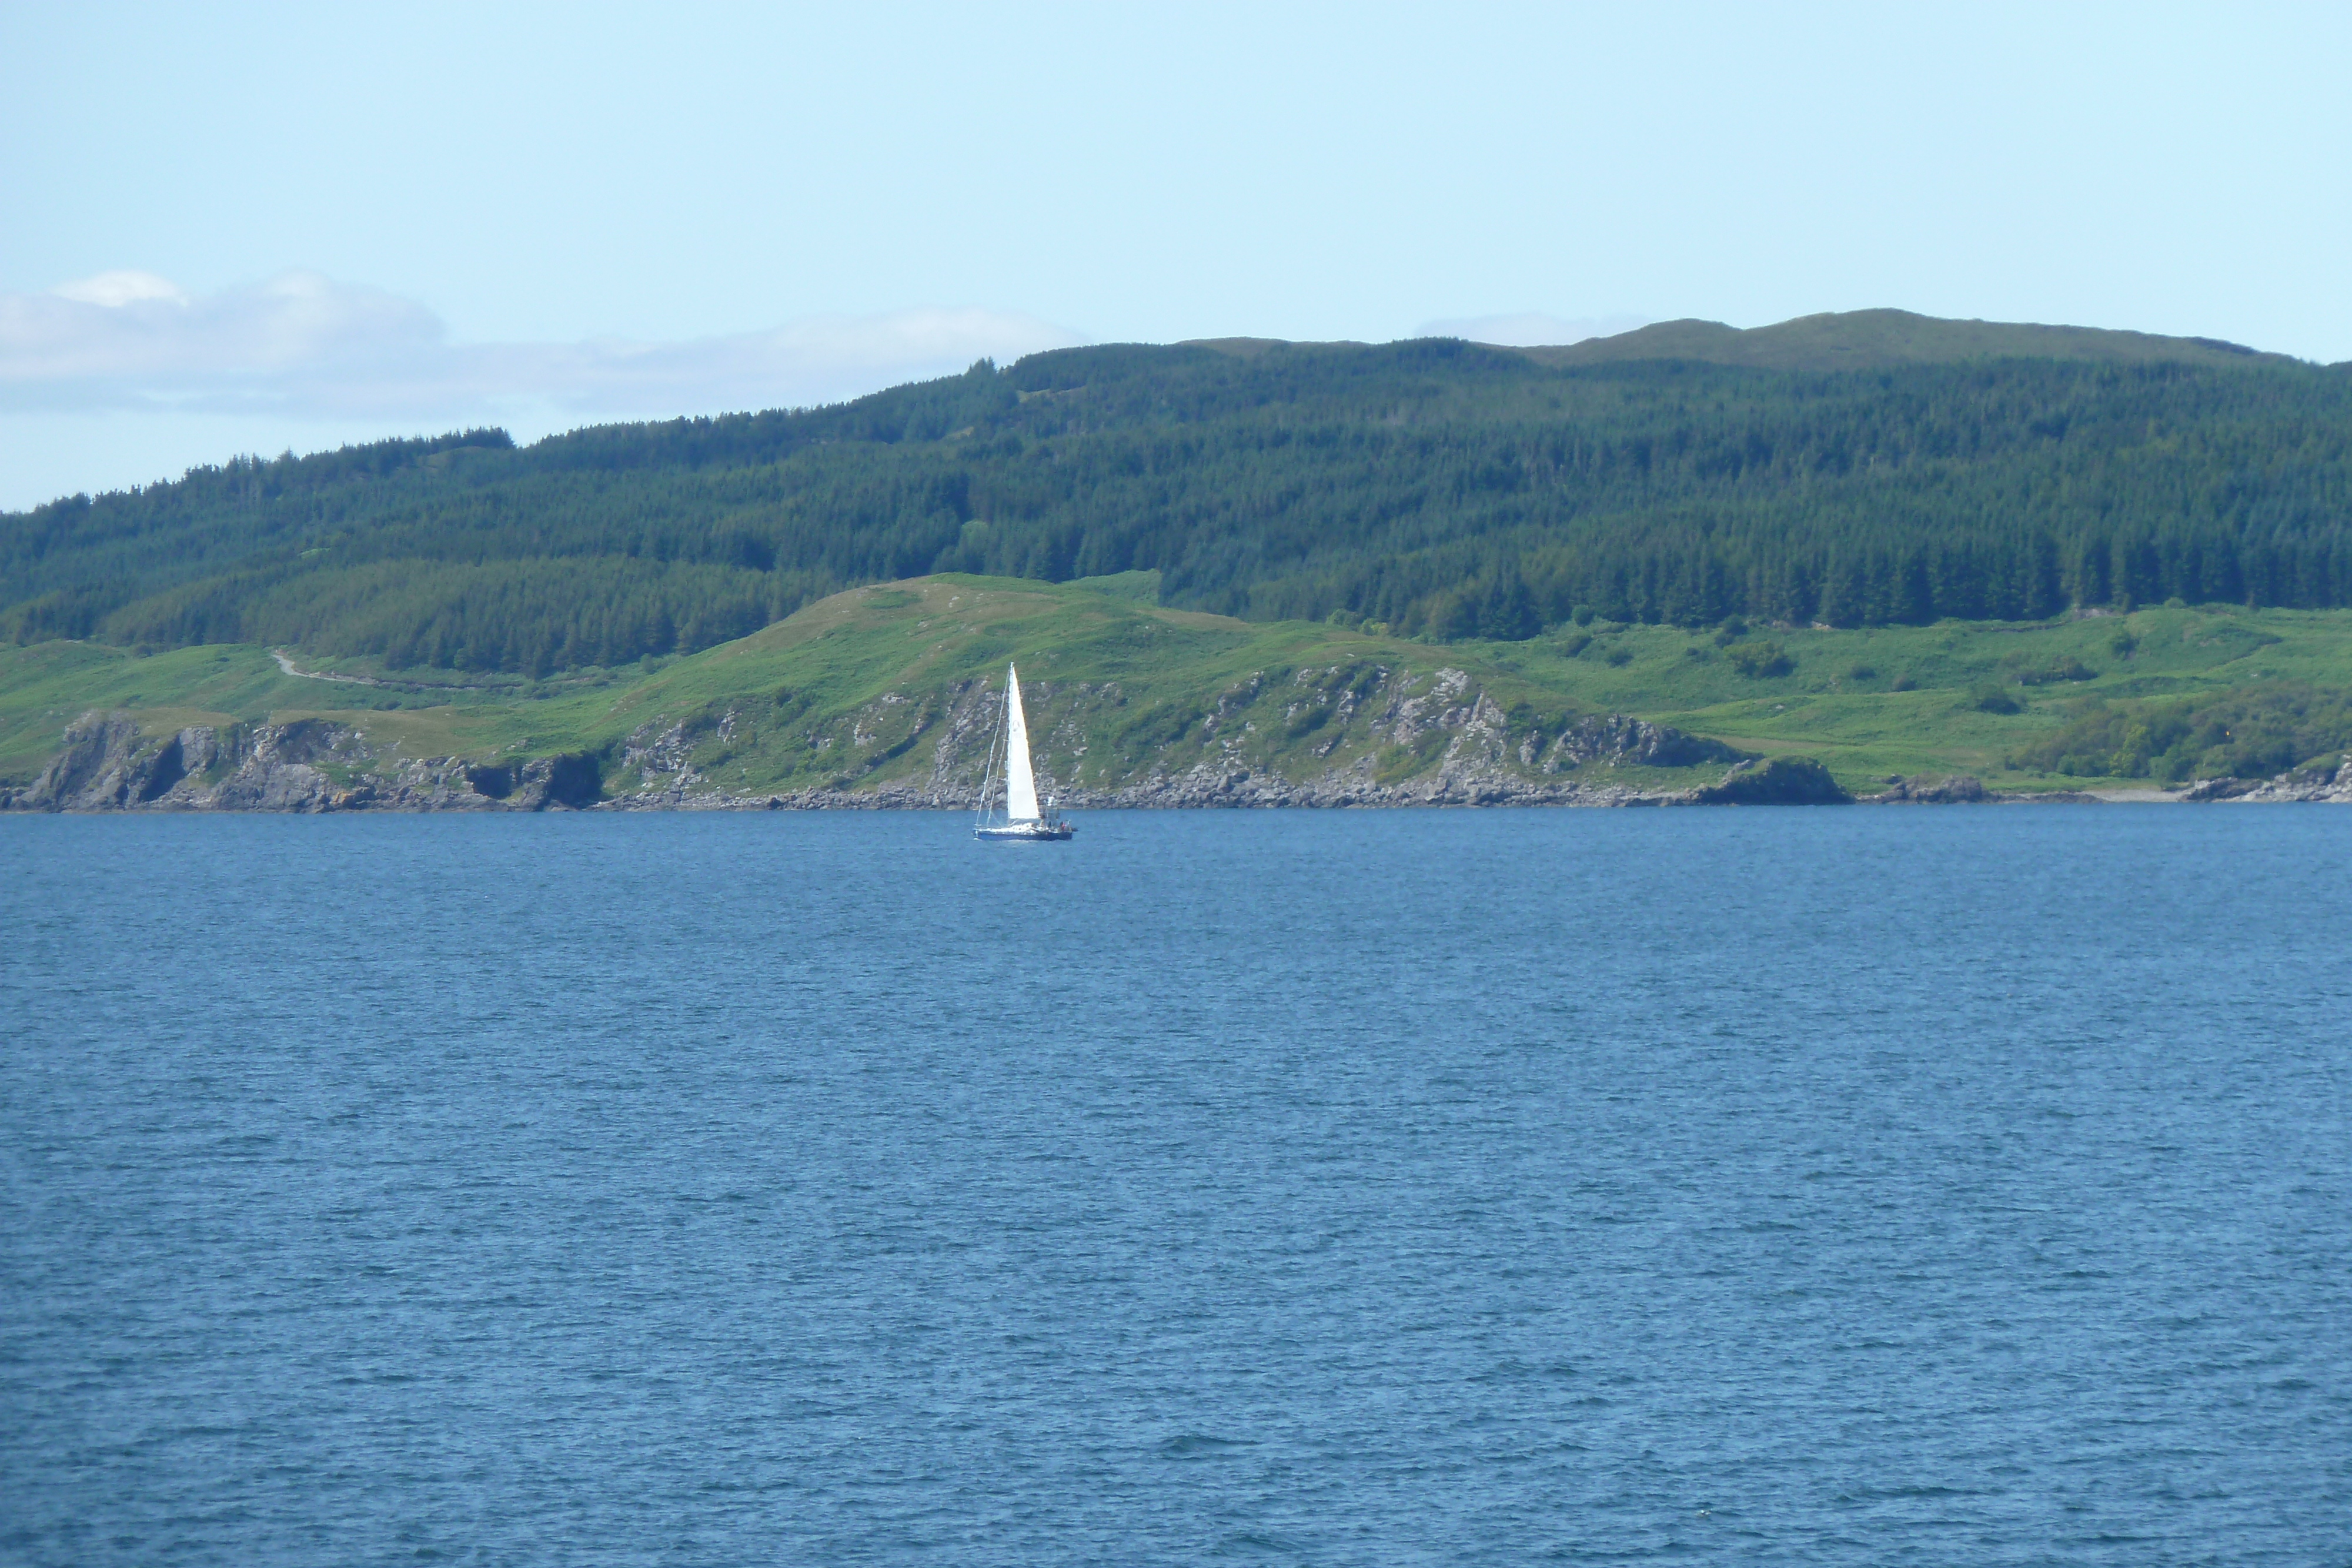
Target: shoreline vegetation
{"type": "Point", "coordinates": [878, 698]}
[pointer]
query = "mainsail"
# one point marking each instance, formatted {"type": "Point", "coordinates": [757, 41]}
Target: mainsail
{"type": "Point", "coordinates": [1024, 823]}
{"type": "Point", "coordinates": [1020, 783]}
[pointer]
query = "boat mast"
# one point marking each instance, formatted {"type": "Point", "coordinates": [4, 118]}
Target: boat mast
{"type": "Point", "coordinates": [988, 778]}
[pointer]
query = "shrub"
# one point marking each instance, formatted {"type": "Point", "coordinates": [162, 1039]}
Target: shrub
{"type": "Point", "coordinates": [1987, 697]}
{"type": "Point", "coordinates": [2065, 667]}
{"type": "Point", "coordinates": [1759, 660]}
{"type": "Point", "coordinates": [1619, 657]}
{"type": "Point", "coordinates": [1782, 781]}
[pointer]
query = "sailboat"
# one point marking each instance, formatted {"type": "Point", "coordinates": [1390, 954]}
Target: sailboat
{"type": "Point", "coordinates": [1022, 821]}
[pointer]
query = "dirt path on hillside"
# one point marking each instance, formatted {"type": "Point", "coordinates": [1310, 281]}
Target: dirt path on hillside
{"type": "Point", "coordinates": [287, 665]}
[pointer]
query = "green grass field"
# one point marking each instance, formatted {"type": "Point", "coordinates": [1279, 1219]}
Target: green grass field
{"type": "Point", "coordinates": [857, 690]}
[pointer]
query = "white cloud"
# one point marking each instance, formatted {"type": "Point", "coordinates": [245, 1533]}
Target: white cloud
{"type": "Point", "coordinates": [1531, 328]}
{"type": "Point", "coordinates": [118, 289]}
{"type": "Point", "coordinates": [131, 338]}
{"type": "Point", "coordinates": [305, 346]}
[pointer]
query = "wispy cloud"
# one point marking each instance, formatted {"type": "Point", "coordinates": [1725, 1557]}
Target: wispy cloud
{"type": "Point", "coordinates": [1531, 328]}
{"type": "Point", "coordinates": [305, 346]}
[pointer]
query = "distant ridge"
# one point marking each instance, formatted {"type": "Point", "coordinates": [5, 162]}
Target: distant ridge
{"type": "Point", "coordinates": [1938, 470]}
{"type": "Point", "coordinates": [1875, 339]}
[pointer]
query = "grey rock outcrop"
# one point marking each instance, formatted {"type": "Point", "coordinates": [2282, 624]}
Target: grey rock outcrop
{"type": "Point", "coordinates": [2219, 788]}
{"type": "Point", "coordinates": [1924, 789]}
{"type": "Point", "coordinates": [2320, 786]}
{"type": "Point", "coordinates": [107, 764]}
{"type": "Point", "coordinates": [1624, 740]}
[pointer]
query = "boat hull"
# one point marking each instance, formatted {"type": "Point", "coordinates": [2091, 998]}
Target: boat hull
{"type": "Point", "coordinates": [1024, 833]}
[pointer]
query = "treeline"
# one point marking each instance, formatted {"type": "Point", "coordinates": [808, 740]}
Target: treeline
{"type": "Point", "coordinates": [1441, 488]}
{"type": "Point", "coordinates": [534, 616]}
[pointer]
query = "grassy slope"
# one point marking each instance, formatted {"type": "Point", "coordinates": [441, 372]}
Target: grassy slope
{"type": "Point", "coordinates": [1863, 728]}
{"type": "Point", "coordinates": [830, 695]}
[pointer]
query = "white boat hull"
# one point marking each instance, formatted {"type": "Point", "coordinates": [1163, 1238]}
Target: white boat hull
{"type": "Point", "coordinates": [1024, 832]}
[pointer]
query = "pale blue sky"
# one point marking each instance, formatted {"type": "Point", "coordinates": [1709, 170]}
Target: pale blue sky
{"type": "Point", "coordinates": [362, 222]}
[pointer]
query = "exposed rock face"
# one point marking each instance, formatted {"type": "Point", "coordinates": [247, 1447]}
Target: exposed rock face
{"type": "Point", "coordinates": [1960, 790]}
{"type": "Point", "coordinates": [106, 765]}
{"type": "Point", "coordinates": [1467, 750]}
{"type": "Point", "coordinates": [315, 765]}
{"type": "Point", "coordinates": [2332, 788]}
{"type": "Point", "coordinates": [101, 764]}
{"type": "Point", "coordinates": [1459, 781]}
{"type": "Point", "coordinates": [1205, 786]}
{"type": "Point", "coordinates": [1621, 740]}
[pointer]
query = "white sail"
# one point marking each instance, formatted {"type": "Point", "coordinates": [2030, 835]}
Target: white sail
{"type": "Point", "coordinates": [1020, 783]}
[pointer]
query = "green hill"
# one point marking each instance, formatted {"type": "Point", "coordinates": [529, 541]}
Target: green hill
{"type": "Point", "coordinates": [1863, 470]}
{"type": "Point", "coordinates": [1883, 339]}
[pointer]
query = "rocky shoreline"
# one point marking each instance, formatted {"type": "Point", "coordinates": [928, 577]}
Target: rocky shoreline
{"type": "Point", "coordinates": [314, 766]}
{"type": "Point", "coordinates": [311, 765]}
{"type": "Point", "coordinates": [317, 766]}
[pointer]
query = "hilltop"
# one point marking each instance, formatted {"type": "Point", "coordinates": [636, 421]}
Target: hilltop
{"type": "Point", "coordinates": [1884, 339]}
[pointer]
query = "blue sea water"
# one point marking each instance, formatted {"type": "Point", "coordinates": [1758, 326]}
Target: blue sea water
{"type": "Point", "coordinates": [1950, 1186]}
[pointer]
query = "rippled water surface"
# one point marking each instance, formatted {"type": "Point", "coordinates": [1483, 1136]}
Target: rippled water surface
{"type": "Point", "coordinates": [1962, 1186]}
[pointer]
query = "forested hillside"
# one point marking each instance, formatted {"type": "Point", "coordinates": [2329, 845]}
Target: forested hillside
{"type": "Point", "coordinates": [1438, 488]}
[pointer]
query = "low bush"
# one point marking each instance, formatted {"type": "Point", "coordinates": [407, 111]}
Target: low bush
{"type": "Point", "coordinates": [1759, 660]}
{"type": "Point", "coordinates": [2050, 672]}
{"type": "Point", "coordinates": [1988, 697]}
{"type": "Point", "coordinates": [1782, 781]}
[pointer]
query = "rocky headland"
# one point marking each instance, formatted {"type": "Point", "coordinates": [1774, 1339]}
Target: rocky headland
{"type": "Point", "coordinates": [108, 764]}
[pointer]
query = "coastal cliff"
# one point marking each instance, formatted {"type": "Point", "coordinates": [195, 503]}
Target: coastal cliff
{"type": "Point", "coordinates": [107, 763]}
